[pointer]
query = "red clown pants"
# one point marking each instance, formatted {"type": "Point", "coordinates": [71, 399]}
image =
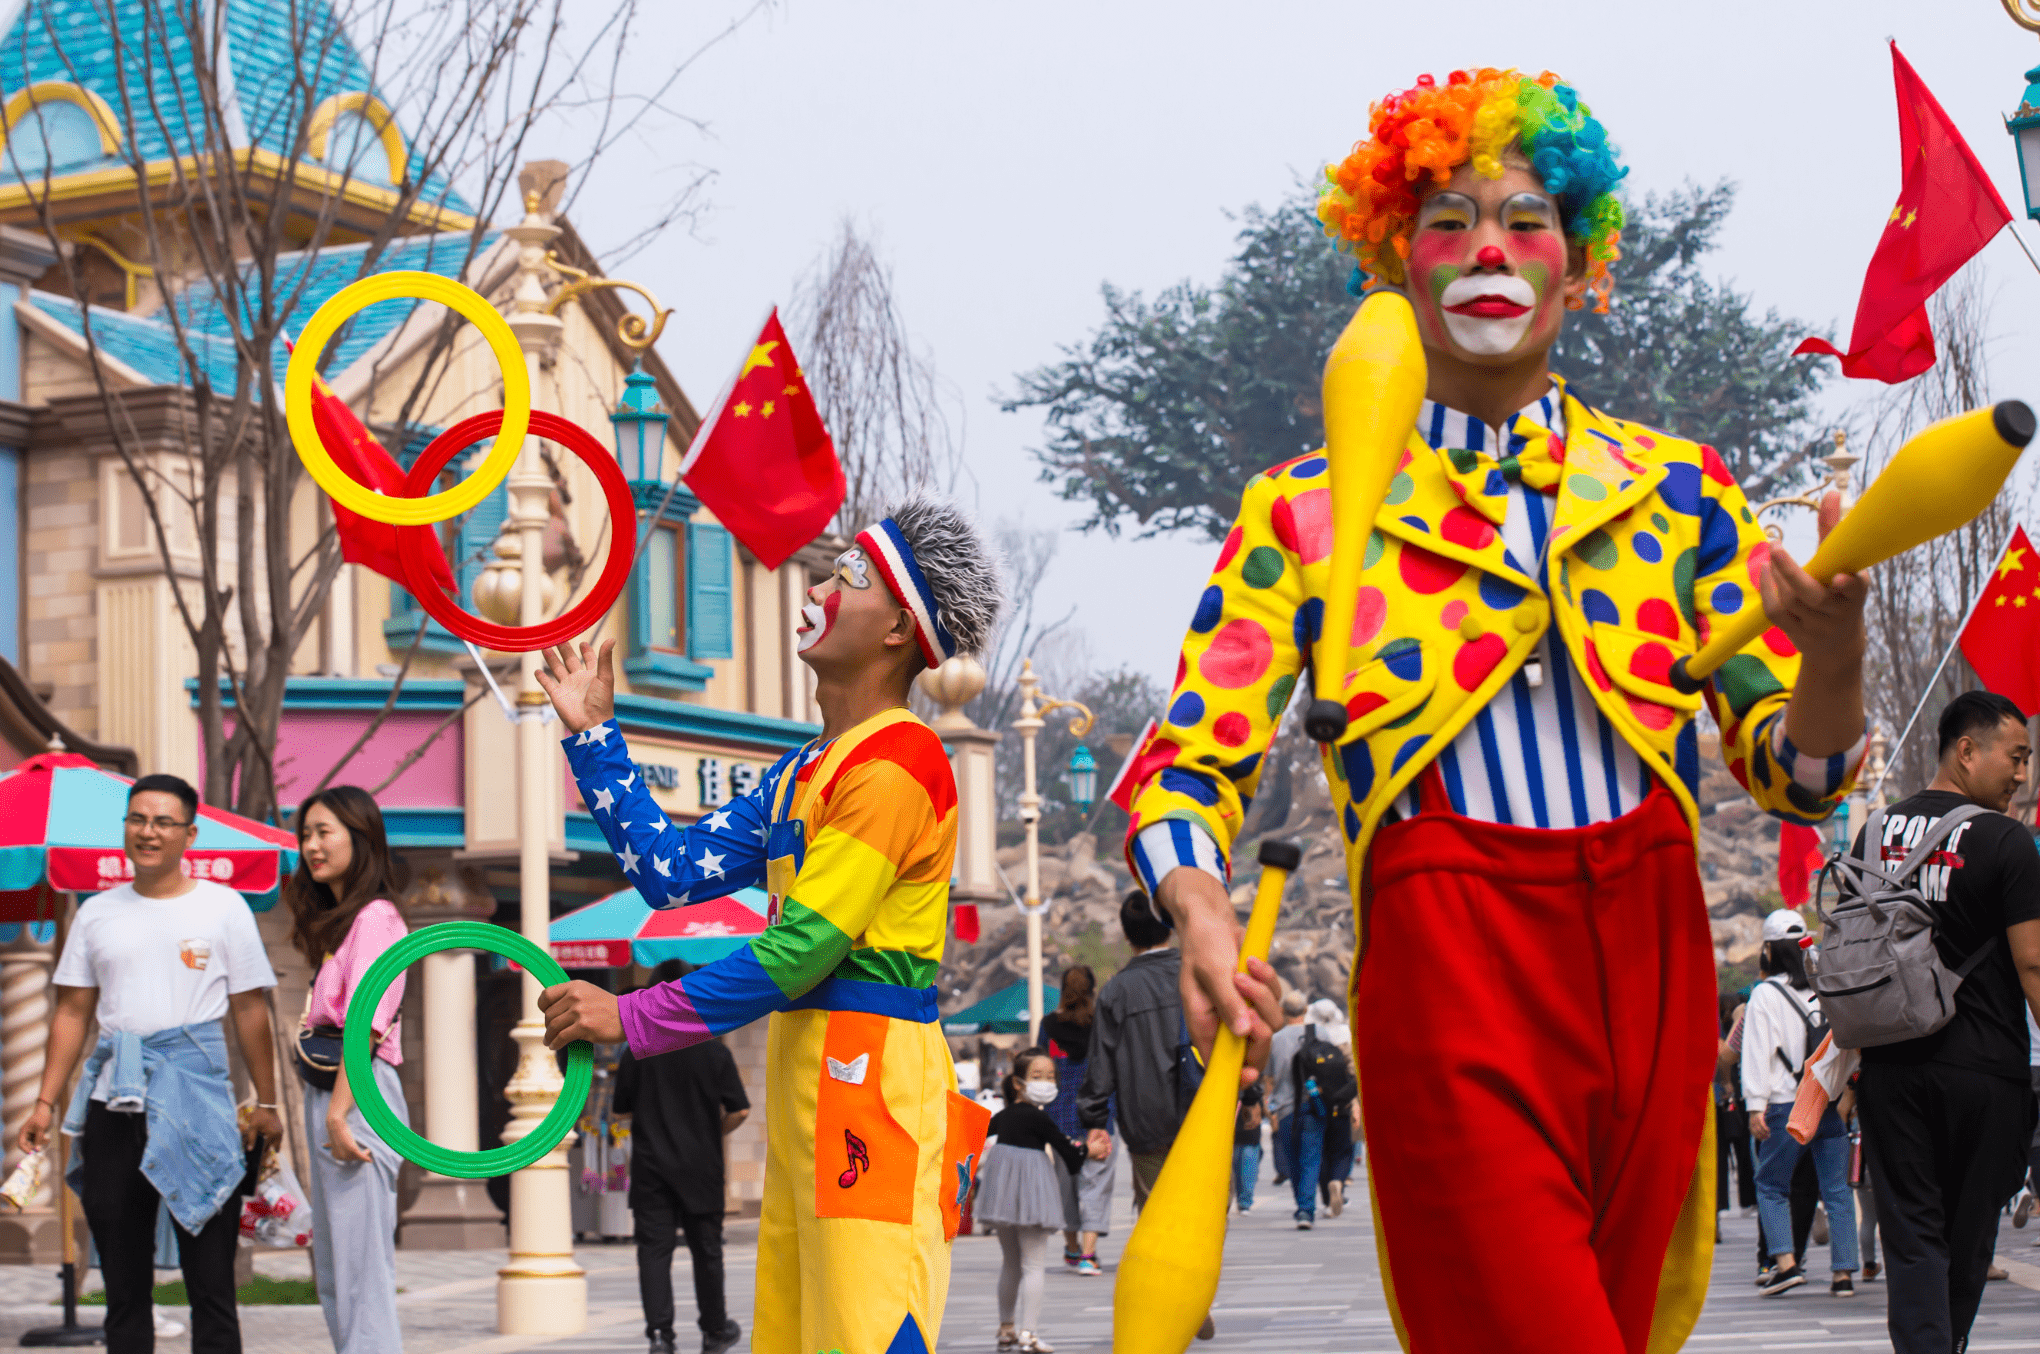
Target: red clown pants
{"type": "Point", "coordinates": [1536, 1034]}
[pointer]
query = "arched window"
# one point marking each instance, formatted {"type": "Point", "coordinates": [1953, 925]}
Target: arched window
{"type": "Point", "coordinates": [355, 148]}
{"type": "Point", "coordinates": [356, 134]}
{"type": "Point", "coordinates": [55, 127]}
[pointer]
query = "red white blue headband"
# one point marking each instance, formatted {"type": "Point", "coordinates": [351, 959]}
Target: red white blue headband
{"type": "Point", "coordinates": [889, 550]}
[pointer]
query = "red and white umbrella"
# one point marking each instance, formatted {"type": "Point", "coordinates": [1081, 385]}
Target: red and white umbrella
{"type": "Point", "coordinates": [61, 831]}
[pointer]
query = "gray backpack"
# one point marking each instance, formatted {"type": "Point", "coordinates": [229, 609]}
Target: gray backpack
{"type": "Point", "coordinates": [1881, 980]}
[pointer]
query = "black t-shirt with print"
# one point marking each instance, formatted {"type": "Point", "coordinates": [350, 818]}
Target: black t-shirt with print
{"type": "Point", "coordinates": [1986, 878]}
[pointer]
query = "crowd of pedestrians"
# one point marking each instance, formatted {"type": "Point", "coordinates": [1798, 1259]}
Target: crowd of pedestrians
{"type": "Point", "coordinates": [1115, 1063]}
{"type": "Point", "coordinates": [1922, 1150]}
{"type": "Point", "coordinates": [1935, 1130]}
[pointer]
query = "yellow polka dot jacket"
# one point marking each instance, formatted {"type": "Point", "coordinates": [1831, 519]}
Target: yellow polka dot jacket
{"type": "Point", "coordinates": [1651, 542]}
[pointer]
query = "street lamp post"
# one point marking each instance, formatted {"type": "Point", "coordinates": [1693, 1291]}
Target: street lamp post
{"type": "Point", "coordinates": [540, 1290]}
{"type": "Point", "coordinates": [1029, 724]}
{"type": "Point", "coordinates": [2024, 124]}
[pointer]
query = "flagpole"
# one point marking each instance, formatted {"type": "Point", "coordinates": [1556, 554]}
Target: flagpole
{"type": "Point", "coordinates": [2014, 229]}
{"type": "Point", "coordinates": [1928, 690]}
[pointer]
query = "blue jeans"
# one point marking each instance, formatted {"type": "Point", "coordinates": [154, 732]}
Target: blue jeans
{"type": "Point", "coordinates": [1776, 1157]}
{"type": "Point", "coordinates": [1246, 1165]}
{"type": "Point", "coordinates": [1306, 1152]}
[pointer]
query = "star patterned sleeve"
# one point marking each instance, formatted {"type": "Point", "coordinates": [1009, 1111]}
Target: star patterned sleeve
{"type": "Point", "coordinates": [885, 835]}
{"type": "Point", "coordinates": [669, 864]}
{"type": "Point", "coordinates": [1748, 694]}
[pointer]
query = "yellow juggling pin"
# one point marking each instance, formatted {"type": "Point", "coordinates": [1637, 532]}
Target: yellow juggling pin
{"type": "Point", "coordinates": [1168, 1273]}
{"type": "Point", "coordinates": [1373, 388]}
{"type": "Point", "coordinates": [1938, 481]}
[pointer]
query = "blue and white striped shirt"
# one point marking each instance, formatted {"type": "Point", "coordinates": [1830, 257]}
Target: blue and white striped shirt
{"type": "Point", "coordinates": [1540, 754]}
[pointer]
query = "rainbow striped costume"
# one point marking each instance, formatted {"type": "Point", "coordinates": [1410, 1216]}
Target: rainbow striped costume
{"type": "Point", "coordinates": [868, 1148]}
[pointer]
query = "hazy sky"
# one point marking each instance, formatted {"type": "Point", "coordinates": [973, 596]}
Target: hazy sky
{"type": "Point", "coordinates": [1009, 160]}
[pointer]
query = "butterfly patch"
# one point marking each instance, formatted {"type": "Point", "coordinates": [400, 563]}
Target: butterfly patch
{"type": "Point", "coordinates": [852, 1071]}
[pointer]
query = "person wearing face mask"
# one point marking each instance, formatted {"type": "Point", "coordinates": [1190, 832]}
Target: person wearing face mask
{"type": "Point", "coordinates": [869, 1149]}
{"type": "Point", "coordinates": [1020, 1195]}
{"type": "Point", "coordinates": [343, 917]}
{"type": "Point", "coordinates": [1518, 769]}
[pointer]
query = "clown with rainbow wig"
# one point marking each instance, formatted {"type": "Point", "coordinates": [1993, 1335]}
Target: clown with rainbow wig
{"type": "Point", "coordinates": [1533, 993]}
{"type": "Point", "coordinates": [869, 1149]}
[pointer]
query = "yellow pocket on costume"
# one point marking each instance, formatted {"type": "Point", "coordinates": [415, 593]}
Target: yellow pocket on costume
{"type": "Point", "coordinates": [866, 1165]}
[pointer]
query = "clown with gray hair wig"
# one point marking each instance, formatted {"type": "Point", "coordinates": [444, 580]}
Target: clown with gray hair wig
{"type": "Point", "coordinates": [852, 836]}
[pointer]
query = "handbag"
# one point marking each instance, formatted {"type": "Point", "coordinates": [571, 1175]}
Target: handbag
{"type": "Point", "coordinates": [318, 1046]}
{"type": "Point", "coordinates": [318, 1056]}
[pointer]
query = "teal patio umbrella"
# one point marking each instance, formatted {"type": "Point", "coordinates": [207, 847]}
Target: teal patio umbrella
{"type": "Point", "coordinates": [1004, 1012]}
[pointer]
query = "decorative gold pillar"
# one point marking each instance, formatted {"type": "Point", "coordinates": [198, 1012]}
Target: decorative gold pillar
{"type": "Point", "coordinates": [25, 967]}
{"type": "Point", "coordinates": [955, 684]}
{"type": "Point", "coordinates": [450, 1214]}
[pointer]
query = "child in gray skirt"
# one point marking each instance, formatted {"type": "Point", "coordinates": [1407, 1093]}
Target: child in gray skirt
{"type": "Point", "coordinates": [1020, 1194]}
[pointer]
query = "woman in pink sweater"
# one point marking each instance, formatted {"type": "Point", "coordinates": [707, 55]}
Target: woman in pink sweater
{"type": "Point", "coordinates": [343, 918]}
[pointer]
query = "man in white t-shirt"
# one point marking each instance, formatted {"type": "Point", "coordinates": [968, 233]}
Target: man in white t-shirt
{"type": "Point", "coordinates": [161, 961]}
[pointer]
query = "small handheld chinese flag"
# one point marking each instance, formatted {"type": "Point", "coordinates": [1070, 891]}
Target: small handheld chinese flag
{"type": "Point", "coordinates": [1799, 855]}
{"type": "Point", "coordinates": [762, 462]}
{"type": "Point", "coordinates": [2002, 639]}
{"type": "Point", "coordinates": [1947, 210]}
{"type": "Point", "coordinates": [355, 450]}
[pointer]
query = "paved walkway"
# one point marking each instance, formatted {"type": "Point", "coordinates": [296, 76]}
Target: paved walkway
{"type": "Point", "coordinates": [1296, 1292]}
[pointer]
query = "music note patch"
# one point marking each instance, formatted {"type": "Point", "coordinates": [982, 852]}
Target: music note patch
{"type": "Point", "coordinates": [859, 1157]}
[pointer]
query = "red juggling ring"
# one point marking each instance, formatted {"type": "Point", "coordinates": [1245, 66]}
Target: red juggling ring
{"type": "Point", "coordinates": [413, 542]}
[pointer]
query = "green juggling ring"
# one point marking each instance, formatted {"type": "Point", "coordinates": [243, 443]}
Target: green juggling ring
{"type": "Point", "coordinates": [357, 1051]}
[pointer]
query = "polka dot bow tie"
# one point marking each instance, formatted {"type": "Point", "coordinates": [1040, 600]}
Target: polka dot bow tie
{"type": "Point", "coordinates": [1482, 480]}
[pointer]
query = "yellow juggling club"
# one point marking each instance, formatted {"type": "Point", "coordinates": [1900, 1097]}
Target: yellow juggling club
{"type": "Point", "coordinates": [1168, 1274]}
{"type": "Point", "coordinates": [1373, 388]}
{"type": "Point", "coordinates": [1938, 481]}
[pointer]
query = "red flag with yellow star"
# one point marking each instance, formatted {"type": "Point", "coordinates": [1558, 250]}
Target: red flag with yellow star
{"type": "Point", "coordinates": [1947, 210]}
{"type": "Point", "coordinates": [762, 462]}
{"type": "Point", "coordinates": [2002, 639]}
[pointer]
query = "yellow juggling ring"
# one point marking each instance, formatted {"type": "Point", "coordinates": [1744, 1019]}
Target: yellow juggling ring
{"type": "Point", "coordinates": [303, 371]}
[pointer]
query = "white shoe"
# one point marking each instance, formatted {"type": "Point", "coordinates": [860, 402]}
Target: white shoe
{"type": "Point", "coordinates": [165, 1327]}
{"type": "Point", "coordinates": [2023, 1210]}
{"type": "Point", "coordinates": [1030, 1343]}
{"type": "Point", "coordinates": [1337, 1189]}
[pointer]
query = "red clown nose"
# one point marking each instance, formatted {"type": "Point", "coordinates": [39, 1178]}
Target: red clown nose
{"type": "Point", "coordinates": [1491, 257]}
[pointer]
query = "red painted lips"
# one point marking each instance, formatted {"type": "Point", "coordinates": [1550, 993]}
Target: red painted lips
{"type": "Point", "coordinates": [1490, 308]}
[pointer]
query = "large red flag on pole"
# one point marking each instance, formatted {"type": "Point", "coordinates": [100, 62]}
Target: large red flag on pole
{"type": "Point", "coordinates": [762, 462]}
{"type": "Point", "coordinates": [1947, 210]}
{"type": "Point", "coordinates": [2002, 639]}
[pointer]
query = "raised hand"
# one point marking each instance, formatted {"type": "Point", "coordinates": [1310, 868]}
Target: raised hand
{"type": "Point", "coordinates": [581, 686]}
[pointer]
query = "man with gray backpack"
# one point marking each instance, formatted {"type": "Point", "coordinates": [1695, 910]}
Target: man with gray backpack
{"type": "Point", "coordinates": [1930, 957]}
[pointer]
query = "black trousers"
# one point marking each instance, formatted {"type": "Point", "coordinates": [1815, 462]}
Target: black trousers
{"type": "Point", "coordinates": [1945, 1147]}
{"type": "Point", "coordinates": [657, 1214]}
{"type": "Point", "coordinates": [1732, 1135]}
{"type": "Point", "coordinates": [120, 1208]}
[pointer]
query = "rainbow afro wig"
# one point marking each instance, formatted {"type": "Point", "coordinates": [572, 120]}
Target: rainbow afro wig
{"type": "Point", "coordinates": [1369, 204]}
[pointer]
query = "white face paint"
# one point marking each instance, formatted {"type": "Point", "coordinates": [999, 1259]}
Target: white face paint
{"type": "Point", "coordinates": [853, 570]}
{"type": "Point", "coordinates": [816, 620]}
{"type": "Point", "coordinates": [1488, 313]}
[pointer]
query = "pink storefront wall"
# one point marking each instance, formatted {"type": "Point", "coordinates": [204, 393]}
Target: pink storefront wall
{"type": "Point", "coordinates": [310, 741]}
